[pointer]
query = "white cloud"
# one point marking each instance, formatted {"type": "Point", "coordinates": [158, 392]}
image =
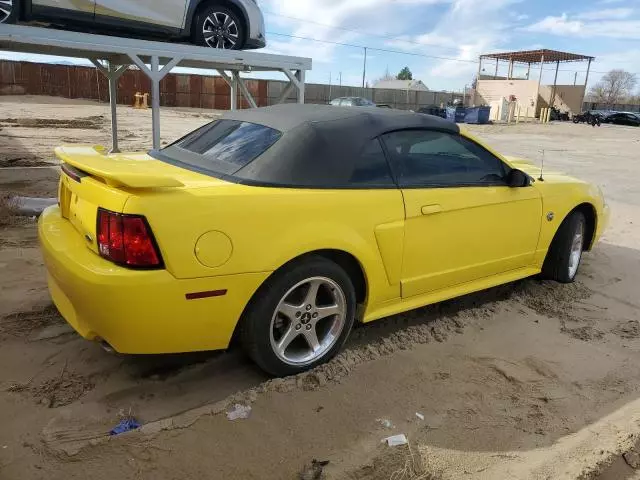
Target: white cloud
{"type": "Point", "coordinates": [324, 19]}
{"type": "Point", "coordinates": [607, 14]}
{"type": "Point", "coordinates": [556, 25]}
{"type": "Point", "coordinates": [483, 24]}
{"type": "Point", "coordinates": [563, 25]}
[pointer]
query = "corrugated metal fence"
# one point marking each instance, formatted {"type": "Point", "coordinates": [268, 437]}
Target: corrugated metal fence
{"type": "Point", "coordinates": [182, 90]}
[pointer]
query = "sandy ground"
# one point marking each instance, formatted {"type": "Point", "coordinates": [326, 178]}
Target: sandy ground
{"type": "Point", "coordinates": [532, 380]}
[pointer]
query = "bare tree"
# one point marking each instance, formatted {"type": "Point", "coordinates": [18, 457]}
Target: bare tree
{"type": "Point", "coordinates": [615, 87]}
{"type": "Point", "coordinates": [387, 76]}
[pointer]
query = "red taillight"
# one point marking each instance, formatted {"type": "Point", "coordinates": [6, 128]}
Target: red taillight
{"type": "Point", "coordinates": [126, 240]}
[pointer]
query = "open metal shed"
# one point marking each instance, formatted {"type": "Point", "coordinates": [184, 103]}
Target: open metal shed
{"type": "Point", "coordinates": [114, 55]}
{"type": "Point", "coordinates": [534, 57]}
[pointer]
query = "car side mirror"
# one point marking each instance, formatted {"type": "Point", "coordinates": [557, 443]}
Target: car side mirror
{"type": "Point", "coordinates": [517, 178]}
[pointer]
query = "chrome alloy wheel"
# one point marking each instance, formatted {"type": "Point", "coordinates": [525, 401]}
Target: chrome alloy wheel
{"type": "Point", "coordinates": [6, 7]}
{"type": "Point", "coordinates": [308, 321]}
{"type": "Point", "coordinates": [576, 250]}
{"type": "Point", "coordinates": [220, 31]}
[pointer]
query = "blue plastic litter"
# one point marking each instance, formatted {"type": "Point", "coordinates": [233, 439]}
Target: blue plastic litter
{"type": "Point", "coordinates": [125, 425]}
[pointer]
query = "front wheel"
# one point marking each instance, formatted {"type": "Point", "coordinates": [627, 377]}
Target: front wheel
{"type": "Point", "coordinates": [9, 11]}
{"type": "Point", "coordinates": [565, 252]}
{"type": "Point", "coordinates": [300, 318]}
{"type": "Point", "coordinates": [218, 27]}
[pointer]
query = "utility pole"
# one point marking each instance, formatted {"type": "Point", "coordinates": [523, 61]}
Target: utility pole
{"type": "Point", "coordinates": [340, 79]}
{"type": "Point", "coordinates": [575, 78]}
{"type": "Point", "coordinates": [364, 66]}
{"type": "Point", "coordinates": [330, 86]}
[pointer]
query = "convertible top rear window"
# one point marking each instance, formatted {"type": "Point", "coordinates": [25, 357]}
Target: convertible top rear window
{"type": "Point", "coordinates": [221, 147]}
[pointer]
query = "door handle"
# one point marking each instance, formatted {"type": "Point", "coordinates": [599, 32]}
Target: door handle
{"type": "Point", "coordinates": [431, 209]}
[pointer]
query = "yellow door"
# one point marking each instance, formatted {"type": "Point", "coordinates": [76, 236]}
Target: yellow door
{"type": "Point", "coordinates": [463, 222]}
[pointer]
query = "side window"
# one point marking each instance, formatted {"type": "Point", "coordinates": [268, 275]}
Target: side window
{"type": "Point", "coordinates": [430, 158]}
{"type": "Point", "coordinates": [371, 167]}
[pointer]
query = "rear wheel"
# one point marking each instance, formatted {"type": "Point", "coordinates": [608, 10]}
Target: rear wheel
{"type": "Point", "coordinates": [300, 318]}
{"type": "Point", "coordinates": [219, 27]}
{"type": "Point", "coordinates": [565, 253]}
{"type": "Point", "coordinates": [9, 11]}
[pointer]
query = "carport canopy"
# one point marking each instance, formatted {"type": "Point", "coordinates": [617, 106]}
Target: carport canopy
{"type": "Point", "coordinates": [538, 56]}
{"type": "Point", "coordinates": [114, 55]}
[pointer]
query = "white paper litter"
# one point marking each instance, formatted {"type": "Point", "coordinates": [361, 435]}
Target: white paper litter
{"type": "Point", "coordinates": [239, 411]}
{"type": "Point", "coordinates": [395, 440]}
{"type": "Point", "coordinates": [384, 422]}
{"type": "Point", "coordinates": [420, 416]}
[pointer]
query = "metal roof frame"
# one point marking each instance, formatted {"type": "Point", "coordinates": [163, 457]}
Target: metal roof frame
{"type": "Point", "coordinates": [112, 56]}
{"type": "Point", "coordinates": [537, 56]}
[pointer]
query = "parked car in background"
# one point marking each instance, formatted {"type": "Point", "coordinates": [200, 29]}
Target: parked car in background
{"type": "Point", "coordinates": [364, 213]}
{"type": "Point", "coordinates": [224, 24]}
{"type": "Point", "coordinates": [623, 118]}
{"type": "Point", "coordinates": [433, 110]}
{"type": "Point", "coordinates": [352, 102]}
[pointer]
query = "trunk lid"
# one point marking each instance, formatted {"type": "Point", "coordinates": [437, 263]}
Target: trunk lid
{"type": "Point", "coordinates": [91, 178]}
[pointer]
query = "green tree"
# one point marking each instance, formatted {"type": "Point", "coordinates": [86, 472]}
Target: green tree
{"type": "Point", "coordinates": [405, 74]}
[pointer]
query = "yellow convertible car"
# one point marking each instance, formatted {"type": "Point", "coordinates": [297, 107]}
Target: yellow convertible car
{"type": "Point", "coordinates": [285, 225]}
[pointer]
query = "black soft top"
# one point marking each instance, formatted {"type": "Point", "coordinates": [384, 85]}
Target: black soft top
{"type": "Point", "coordinates": [320, 144]}
{"type": "Point", "coordinates": [364, 122]}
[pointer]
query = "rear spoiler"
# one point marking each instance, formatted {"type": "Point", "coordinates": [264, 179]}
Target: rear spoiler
{"type": "Point", "coordinates": [120, 171]}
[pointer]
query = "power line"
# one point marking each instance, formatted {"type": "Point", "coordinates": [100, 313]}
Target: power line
{"type": "Point", "coordinates": [399, 52]}
{"type": "Point", "coordinates": [360, 32]}
{"type": "Point", "coordinates": [371, 48]}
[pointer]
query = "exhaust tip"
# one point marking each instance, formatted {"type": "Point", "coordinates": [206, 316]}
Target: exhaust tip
{"type": "Point", "coordinates": [105, 345]}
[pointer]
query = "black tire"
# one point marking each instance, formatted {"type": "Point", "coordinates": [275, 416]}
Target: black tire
{"type": "Point", "coordinates": [13, 15]}
{"type": "Point", "coordinates": [576, 120]}
{"type": "Point", "coordinates": [256, 322]}
{"type": "Point", "coordinates": [204, 18]}
{"type": "Point", "coordinates": [557, 263]}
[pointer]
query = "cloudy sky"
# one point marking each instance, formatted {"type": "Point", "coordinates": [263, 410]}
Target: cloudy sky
{"type": "Point", "coordinates": [456, 31]}
{"type": "Point", "coordinates": [440, 40]}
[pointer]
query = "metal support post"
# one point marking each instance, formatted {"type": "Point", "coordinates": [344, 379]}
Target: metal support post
{"type": "Point", "coordinates": [155, 101]}
{"type": "Point", "coordinates": [535, 108]}
{"type": "Point", "coordinates": [495, 75]}
{"type": "Point", "coordinates": [586, 79]}
{"type": "Point", "coordinates": [155, 74]}
{"type": "Point", "coordinates": [528, 70]}
{"type": "Point", "coordinates": [243, 88]}
{"type": "Point", "coordinates": [234, 90]}
{"type": "Point", "coordinates": [113, 74]}
{"type": "Point", "coordinates": [555, 81]}
{"type": "Point", "coordinates": [300, 77]}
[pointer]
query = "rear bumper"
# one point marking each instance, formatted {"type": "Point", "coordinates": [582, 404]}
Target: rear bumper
{"type": "Point", "coordinates": [137, 311]}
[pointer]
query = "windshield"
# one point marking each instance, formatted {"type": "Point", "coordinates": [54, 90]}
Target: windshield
{"type": "Point", "coordinates": [221, 147]}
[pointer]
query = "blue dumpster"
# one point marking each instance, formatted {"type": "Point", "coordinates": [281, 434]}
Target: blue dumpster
{"type": "Point", "coordinates": [455, 114]}
{"type": "Point", "coordinates": [477, 115]}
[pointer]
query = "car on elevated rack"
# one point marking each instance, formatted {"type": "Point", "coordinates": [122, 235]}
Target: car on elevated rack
{"type": "Point", "coordinates": [224, 24]}
{"type": "Point", "coordinates": [282, 226]}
